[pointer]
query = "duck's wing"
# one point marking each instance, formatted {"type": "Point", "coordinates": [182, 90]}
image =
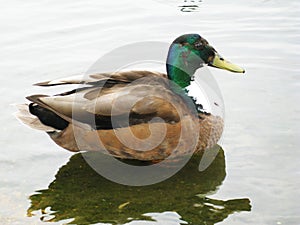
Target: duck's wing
{"type": "Point", "coordinates": [146, 96]}
{"type": "Point", "coordinates": [140, 95]}
{"type": "Point", "coordinates": [125, 76]}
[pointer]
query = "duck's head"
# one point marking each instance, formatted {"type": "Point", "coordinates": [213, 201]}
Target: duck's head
{"type": "Point", "coordinates": [189, 52]}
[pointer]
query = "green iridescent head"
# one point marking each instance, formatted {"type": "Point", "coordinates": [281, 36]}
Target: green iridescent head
{"type": "Point", "coordinates": [188, 53]}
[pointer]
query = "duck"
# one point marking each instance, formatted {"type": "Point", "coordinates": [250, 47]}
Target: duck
{"type": "Point", "coordinates": [138, 114]}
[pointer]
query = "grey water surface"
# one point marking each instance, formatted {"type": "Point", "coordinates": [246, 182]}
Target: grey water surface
{"type": "Point", "coordinates": [255, 180]}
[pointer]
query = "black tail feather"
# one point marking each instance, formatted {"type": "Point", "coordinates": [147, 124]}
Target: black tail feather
{"type": "Point", "coordinates": [48, 117]}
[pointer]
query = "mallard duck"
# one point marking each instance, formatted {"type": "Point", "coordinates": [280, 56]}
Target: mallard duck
{"type": "Point", "coordinates": [139, 115]}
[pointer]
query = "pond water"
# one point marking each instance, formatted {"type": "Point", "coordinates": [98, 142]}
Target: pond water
{"type": "Point", "coordinates": [255, 178]}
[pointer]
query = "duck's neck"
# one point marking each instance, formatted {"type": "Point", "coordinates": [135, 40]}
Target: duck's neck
{"type": "Point", "coordinates": [180, 67]}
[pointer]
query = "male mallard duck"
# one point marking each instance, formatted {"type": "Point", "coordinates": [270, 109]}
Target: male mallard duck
{"type": "Point", "coordinates": [134, 114]}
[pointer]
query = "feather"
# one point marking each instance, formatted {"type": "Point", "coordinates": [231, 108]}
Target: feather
{"type": "Point", "coordinates": [30, 120]}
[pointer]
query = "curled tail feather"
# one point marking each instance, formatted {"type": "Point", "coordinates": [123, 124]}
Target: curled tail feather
{"type": "Point", "coordinates": [30, 120]}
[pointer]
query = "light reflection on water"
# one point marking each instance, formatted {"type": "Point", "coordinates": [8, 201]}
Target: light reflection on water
{"type": "Point", "coordinates": [50, 39]}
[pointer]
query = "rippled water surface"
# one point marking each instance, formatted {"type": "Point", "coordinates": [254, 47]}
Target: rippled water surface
{"type": "Point", "coordinates": [255, 180]}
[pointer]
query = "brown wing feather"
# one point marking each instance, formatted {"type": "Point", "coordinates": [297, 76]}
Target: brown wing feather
{"type": "Point", "coordinates": [140, 94]}
{"type": "Point", "coordinates": [142, 97]}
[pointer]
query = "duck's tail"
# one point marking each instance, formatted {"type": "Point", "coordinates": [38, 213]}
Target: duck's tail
{"type": "Point", "coordinates": [23, 114]}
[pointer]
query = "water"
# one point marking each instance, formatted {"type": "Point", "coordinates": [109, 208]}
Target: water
{"type": "Point", "coordinates": [44, 40]}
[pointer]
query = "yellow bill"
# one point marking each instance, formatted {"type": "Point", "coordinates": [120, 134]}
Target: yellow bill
{"type": "Point", "coordinates": [221, 63]}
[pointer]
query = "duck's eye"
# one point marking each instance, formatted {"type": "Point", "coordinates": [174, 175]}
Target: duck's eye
{"type": "Point", "coordinates": [199, 45]}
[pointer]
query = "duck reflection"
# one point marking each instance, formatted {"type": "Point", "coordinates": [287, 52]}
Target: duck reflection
{"type": "Point", "coordinates": [80, 194]}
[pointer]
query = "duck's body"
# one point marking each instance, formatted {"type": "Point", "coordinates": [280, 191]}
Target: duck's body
{"type": "Point", "coordinates": [134, 115]}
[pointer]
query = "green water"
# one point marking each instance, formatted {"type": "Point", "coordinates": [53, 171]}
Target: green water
{"type": "Point", "coordinates": [79, 192]}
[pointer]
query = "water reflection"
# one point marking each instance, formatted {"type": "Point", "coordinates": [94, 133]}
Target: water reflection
{"type": "Point", "coordinates": [183, 5]}
{"type": "Point", "coordinates": [79, 193]}
{"type": "Point", "coordinates": [190, 5]}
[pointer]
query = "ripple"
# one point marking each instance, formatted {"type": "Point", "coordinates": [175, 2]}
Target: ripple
{"type": "Point", "coordinates": [190, 6]}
